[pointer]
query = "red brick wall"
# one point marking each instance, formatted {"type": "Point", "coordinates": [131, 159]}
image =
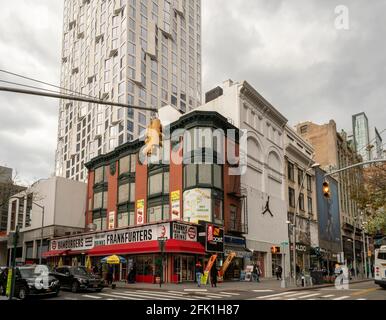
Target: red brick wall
{"type": "Point", "coordinates": [141, 187]}
{"type": "Point", "coordinates": [90, 195]}
{"type": "Point", "coordinates": [231, 185]}
{"type": "Point", "coordinates": [112, 196]}
{"type": "Point", "coordinates": [176, 177]}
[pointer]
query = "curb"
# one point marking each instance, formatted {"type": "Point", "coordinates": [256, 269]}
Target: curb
{"type": "Point", "coordinates": [246, 290]}
{"type": "Point", "coordinates": [324, 285]}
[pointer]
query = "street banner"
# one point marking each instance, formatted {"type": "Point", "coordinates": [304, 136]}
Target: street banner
{"type": "Point", "coordinates": [226, 263]}
{"type": "Point", "coordinates": [111, 220]}
{"type": "Point", "coordinates": [212, 260]}
{"type": "Point", "coordinates": [140, 211]}
{"type": "Point", "coordinates": [175, 197]}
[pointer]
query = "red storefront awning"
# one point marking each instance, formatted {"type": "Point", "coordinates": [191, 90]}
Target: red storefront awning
{"type": "Point", "coordinates": [54, 253]}
{"type": "Point", "coordinates": [184, 247]}
{"type": "Point", "coordinates": [177, 246]}
{"type": "Point", "coordinates": [75, 253]}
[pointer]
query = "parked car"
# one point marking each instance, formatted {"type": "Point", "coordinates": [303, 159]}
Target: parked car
{"type": "Point", "coordinates": [78, 278]}
{"type": "Point", "coordinates": [26, 283]}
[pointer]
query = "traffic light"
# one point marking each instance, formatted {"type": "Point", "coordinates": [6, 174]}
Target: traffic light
{"type": "Point", "coordinates": [326, 190]}
{"type": "Point", "coordinates": [275, 250]}
{"type": "Point", "coordinates": [153, 136]}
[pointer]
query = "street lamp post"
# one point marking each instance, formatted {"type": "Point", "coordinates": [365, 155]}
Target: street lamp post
{"type": "Point", "coordinates": [315, 165]}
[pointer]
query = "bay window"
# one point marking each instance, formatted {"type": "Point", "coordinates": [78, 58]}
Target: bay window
{"type": "Point", "coordinates": [158, 194]}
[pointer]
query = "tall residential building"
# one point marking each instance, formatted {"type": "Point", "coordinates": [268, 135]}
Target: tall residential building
{"type": "Point", "coordinates": [361, 135]}
{"type": "Point", "coordinates": [378, 145]}
{"type": "Point", "coordinates": [140, 52]}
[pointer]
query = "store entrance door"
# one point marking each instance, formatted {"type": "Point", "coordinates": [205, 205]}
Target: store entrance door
{"type": "Point", "coordinates": [184, 268]}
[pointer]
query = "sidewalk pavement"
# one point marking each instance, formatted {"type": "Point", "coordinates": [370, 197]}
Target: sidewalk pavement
{"type": "Point", "coordinates": [264, 284]}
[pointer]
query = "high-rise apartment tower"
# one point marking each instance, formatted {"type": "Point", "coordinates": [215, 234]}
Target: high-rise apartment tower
{"type": "Point", "coordinates": [138, 52]}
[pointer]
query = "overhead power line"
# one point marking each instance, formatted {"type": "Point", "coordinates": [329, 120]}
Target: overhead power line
{"type": "Point", "coordinates": [28, 86]}
{"type": "Point", "coordinates": [73, 98]}
{"type": "Point", "coordinates": [45, 83]}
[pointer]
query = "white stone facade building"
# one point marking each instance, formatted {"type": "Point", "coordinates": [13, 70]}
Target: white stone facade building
{"type": "Point", "coordinates": [264, 180]}
{"type": "Point", "coordinates": [64, 203]}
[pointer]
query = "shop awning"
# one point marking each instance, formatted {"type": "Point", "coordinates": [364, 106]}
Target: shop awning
{"type": "Point", "coordinates": [75, 252]}
{"type": "Point", "coordinates": [184, 247]}
{"type": "Point", "coordinates": [54, 253]}
{"type": "Point", "coordinates": [241, 252]}
{"type": "Point", "coordinates": [179, 246]}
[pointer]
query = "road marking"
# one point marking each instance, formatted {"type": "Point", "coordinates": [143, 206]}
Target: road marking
{"type": "Point", "coordinates": [309, 295]}
{"type": "Point", "coordinates": [114, 296]}
{"type": "Point", "coordinates": [215, 294]}
{"type": "Point", "coordinates": [196, 290]}
{"type": "Point", "coordinates": [328, 296]}
{"type": "Point", "coordinates": [297, 294]}
{"type": "Point", "coordinates": [275, 295]}
{"type": "Point", "coordinates": [144, 296]}
{"type": "Point", "coordinates": [177, 292]}
{"type": "Point", "coordinates": [262, 290]}
{"type": "Point", "coordinates": [363, 292]}
{"type": "Point", "coordinates": [230, 293]}
{"type": "Point", "coordinates": [92, 297]}
{"type": "Point", "coordinates": [341, 298]}
{"type": "Point", "coordinates": [162, 294]}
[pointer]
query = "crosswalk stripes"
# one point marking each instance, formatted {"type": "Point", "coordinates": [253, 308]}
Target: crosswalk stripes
{"type": "Point", "coordinates": [341, 298]}
{"type": "Point", "coordinates": [230, 293]}
{"type": "Point", "coordinates": [305, 295]}
{"type": "Point", "coordinates": [159, 295]}
{"type": "Point", "coordinates": [91, 297]}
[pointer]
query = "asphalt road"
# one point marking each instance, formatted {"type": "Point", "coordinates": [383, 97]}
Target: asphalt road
{"type": "Point", "coordinates": [359, 291]}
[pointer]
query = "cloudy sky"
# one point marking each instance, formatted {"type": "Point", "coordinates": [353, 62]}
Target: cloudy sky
{"type": "Point", "coordinates": [290, 51]}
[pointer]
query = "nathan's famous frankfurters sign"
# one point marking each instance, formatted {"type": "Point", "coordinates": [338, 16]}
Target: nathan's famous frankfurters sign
{"type": "Point", "coordinates": [131, 235]}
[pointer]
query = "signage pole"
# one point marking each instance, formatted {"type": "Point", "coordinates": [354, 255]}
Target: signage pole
{"type": "Point", "coordinates": [13, 270]}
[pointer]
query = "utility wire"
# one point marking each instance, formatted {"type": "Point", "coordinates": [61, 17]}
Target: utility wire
{"type": "Point", "coordinates": [28, 86]}
{"type": "Point", "coordinates": [74, 98]}
{"type": "Point", "coordinates": [45, 83]}
{"type": "Point", "coordinates": [366, 146]}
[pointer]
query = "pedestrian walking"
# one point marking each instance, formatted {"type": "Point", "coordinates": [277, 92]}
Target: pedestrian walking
{"type": "Point", "coordinates": [279, 271]}
{"type": "Point", "coordinates": [213, 276]}
{"type": "Point", "coordinates": [199, 272]}
{"type": "Point", "coordinates": [110, 276]}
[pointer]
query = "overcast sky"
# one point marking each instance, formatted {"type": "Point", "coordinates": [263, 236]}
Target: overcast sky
{"type": "Point", "coordinates": [290, 51]}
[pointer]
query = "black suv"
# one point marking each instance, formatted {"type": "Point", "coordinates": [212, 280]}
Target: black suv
{"type": "Point", "coordinates": [27, 283]}
{"type": "Point", "coordinates": [78, 278]}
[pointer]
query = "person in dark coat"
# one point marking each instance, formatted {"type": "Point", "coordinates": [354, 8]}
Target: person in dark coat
{"type": "Point", "coordinates": [110, 275]}
{"type": "Point", "coordinates": [213, 276]}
